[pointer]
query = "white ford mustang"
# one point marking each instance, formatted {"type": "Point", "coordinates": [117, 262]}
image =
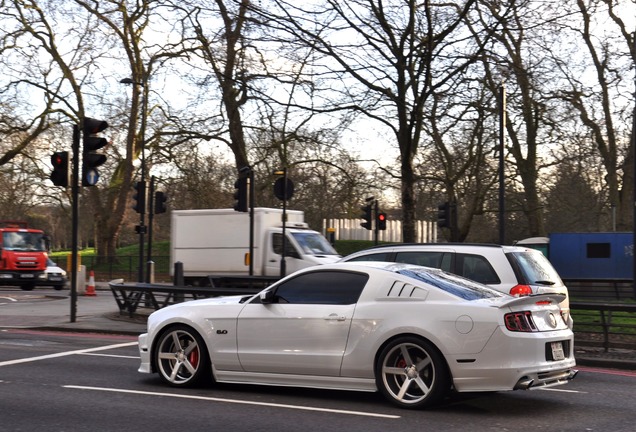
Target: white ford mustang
{"type": "Point", "coordinates": [411, 332]}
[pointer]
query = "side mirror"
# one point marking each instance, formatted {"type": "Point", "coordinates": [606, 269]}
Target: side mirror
{"type": "Point", "coordinates": [267, 297]}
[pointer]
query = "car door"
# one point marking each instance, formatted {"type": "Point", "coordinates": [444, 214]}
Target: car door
{"type": "Point", "coordinates": [305, 330]}
{"type": "Point", "coordinates": [293, 261]}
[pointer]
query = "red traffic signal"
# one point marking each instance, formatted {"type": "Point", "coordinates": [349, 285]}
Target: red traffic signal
{"type": "Point", "coordinates": [59, 175]}
{"type": "Point", "coordinates": [381, 220]}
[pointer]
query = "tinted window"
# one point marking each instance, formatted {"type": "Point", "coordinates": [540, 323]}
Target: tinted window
{"type": "Point", "coordinates": [457, 286]}
{"type": "Point", "coordinates": [535, 267]}
{"type": "Point", "coordinates": [477, 268]}
{"type": "Point", "coordinates": [440, 260]}
{"type": "Point", "coordinates": [382, 256]}
{"type": "Point", "coordinates": [323, 287]}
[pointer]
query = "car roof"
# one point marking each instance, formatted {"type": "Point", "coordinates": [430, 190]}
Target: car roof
{"type": "Point", "coordinates": [424, 246]}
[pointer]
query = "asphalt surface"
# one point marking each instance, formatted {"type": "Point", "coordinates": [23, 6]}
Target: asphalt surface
{"type": "Point", "coordinates": [100, 314]}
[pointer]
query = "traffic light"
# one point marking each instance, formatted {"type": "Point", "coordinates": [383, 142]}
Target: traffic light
{"type": "Point", "coordinates": [381, 221]}
{"type": "Point", "coordinates": [367, 216]}
{"type": "Point", "coordinates": [139, 197]}
{"type": "Point", "coordinates": [59, 175]}
{"type": "Point", "coordinates": [444, 215]}
{"type": "Point", "coordinates": [241, 194]}
{"type": "Point", "coordinates": [160, 202]}
{"type": "Point", "coordinates": [90, 143]}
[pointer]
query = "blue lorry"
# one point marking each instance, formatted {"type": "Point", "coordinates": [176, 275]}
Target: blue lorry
{"type": "Point", "coordinates": [594, 255]}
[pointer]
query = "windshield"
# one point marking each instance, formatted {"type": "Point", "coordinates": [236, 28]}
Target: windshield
{"type": "Point", "coordinates": [452, 284]}
{"type": "Point", "coordinates": [23, 241]}
{"type": "Point", "coordinates": [313, 243]}
{"type": "Point", "coordinates": [536, 268]}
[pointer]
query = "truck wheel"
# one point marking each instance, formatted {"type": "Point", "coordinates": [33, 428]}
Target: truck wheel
{"type": "Point", "coordinates": [27, 287]}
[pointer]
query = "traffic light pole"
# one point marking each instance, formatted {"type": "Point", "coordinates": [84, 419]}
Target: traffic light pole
{"type": "Point", "coordinates": [74, 219]}
{"type": "Point", "coordinates": [151, 206]}
{"type": "Point", "coordinates": [376, 230]}
{"type": "Point", "coordinates": [142, 213]}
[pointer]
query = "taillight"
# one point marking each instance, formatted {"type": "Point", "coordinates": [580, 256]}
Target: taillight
{"type": "Point", "coordinates": [520, 322]}
{"type": "Point", "coordinates": [520, 290]}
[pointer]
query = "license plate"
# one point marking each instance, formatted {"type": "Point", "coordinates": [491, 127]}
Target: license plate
{"type": "Point", "coordinates": [27, 276]}
{"type": "Point", "coordinates": [557, 351]}
{"type": "Point", "coordinates": [55, 278]}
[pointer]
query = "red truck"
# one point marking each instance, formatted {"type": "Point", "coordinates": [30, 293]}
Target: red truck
{"type": "Point", "coordinates": [23, 255]}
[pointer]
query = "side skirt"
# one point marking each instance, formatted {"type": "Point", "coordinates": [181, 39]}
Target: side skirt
{"type": "Point", "coordinates": [289, 380]}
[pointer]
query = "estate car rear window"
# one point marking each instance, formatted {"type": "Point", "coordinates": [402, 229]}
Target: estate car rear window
{"type": "Point", "coordinates": [535, 268]}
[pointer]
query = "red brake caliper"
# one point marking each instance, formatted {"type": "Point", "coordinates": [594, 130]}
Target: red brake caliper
{"type": "Point", "coordinates": [194, 357]}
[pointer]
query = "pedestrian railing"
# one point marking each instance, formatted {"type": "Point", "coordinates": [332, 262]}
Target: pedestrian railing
{"type": "Point", "coordinates": [610, 325]}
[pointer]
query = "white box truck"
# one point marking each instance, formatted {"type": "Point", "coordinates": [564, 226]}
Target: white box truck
{"type": "Point", "coordinates": [213, 245]}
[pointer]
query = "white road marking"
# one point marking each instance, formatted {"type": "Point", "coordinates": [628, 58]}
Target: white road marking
{"type": "Point", "coordinates": [110, 355]}
{"type": "Point", "coordinates": [234, 401]}
{"type": "Point", "coordinates": [561, 390]}
{"type": "Point", "coordinates": [66, 353]}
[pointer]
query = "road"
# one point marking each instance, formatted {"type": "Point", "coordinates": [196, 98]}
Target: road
{"type": "Point", "coordinates": [53, 381]}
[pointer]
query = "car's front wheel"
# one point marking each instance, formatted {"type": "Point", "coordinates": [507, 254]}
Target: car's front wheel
{"type": "Point", "coordinates": [181, 357]}
{"type": "Point", "coordinates": [411, 373]}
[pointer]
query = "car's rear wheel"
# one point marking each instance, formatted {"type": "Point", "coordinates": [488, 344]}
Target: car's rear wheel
{"type": "Point", "coordinates": [181, 357]}
{"type": "Point", "coordinates": [411, 373]}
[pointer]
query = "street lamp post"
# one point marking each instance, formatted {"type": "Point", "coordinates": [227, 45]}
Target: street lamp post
{"type": "Point", "coordinates": [142, 210]}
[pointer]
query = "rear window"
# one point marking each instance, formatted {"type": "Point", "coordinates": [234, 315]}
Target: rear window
{"type": "Point", "coordinates": [535, 268]}
{"type": "Point", "coordinates": [455, 285]}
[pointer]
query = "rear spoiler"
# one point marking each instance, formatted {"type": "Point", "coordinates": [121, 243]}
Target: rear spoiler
{"type": "Point", "coordinates": [554, 298]}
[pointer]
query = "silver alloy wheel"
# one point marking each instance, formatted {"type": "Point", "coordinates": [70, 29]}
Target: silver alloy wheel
{"type": "Point", "coordinates": [409, 373]}
{"type": "Point", "coordinates": [180, 357]}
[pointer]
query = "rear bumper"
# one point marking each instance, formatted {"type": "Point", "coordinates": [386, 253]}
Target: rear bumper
{"type": "Point", "coordinates": [515, 361]}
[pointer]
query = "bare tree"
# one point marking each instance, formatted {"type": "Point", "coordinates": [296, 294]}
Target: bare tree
{"type": "Point", "coordinates": [382, 60]}
{"type": "Point", "coordinates": [600, 103]}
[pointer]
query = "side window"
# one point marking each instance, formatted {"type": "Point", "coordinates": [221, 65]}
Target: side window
{"type": "Point", "coordinates": [323, 287]}
{"type": "Point", "coordinates": [277, 246]}
{"type": "Point", "coordinates": [440, 260]}
{"type": "Point", "coordinates": [477, 268]}
{"type": "Point", "coordinates": [383, 256]}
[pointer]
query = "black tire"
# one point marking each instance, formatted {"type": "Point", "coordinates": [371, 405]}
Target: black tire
{"type": "Point", "coordinates": [181, 357]}
{"type": "Point", "coordinates": [27, 287]}
{"type": "Point", "coordinates": [411, 373]}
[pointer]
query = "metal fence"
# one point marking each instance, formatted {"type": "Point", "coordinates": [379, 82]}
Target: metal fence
{"type": "Point", "coordinates": [126, 267]}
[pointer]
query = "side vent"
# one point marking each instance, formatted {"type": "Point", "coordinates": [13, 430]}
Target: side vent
{"type": "Point", "coordinates": [403, 290]}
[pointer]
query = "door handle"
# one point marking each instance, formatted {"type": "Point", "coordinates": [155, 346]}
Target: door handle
{"type": "Point", "coordinates": [335, 317]}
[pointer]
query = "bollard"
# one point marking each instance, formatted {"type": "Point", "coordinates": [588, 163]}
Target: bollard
{"type": "Point", "coordinates": [150, 271]}
{"type": "Point", "coordinates": [178, 274]}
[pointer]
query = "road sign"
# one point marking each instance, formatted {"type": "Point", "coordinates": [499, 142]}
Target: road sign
{"type": "Point", "coordinates": [91, 177]}
{"type": "Point", "coordinates": [283, 191]}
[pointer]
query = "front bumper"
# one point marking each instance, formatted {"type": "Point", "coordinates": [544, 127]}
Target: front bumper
{"type": "Point", "coordinates": [21, 278]}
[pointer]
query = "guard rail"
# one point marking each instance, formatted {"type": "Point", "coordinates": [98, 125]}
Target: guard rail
{"type": "Point", "coordinates": [610, 325]}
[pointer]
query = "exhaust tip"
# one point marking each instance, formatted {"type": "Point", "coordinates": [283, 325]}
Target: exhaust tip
{"type": "Point", "coordinates": [524, 384]}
